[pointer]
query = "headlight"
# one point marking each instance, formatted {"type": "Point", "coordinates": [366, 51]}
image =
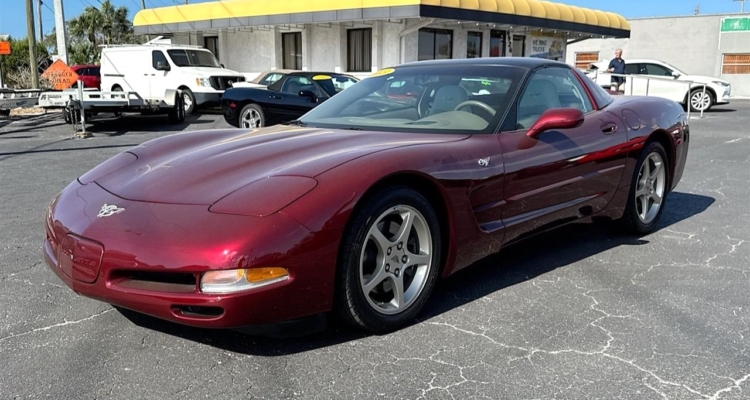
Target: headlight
{"type": "Point", "coordinates": [107, 167]}
{"type": "Point", "coordinates": [235, 280]}
{"type": "Point", "coordinates": [720, 83]}
{"type": "Point", "coordinates": [205, 82]}
{"type": "Point", "coordinates": [265, 196]}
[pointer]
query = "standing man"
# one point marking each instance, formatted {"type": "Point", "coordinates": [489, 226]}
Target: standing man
{"type": "Point", "coordinates": [617, 66]}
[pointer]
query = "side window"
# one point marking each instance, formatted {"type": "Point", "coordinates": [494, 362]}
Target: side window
{"type": "Point", "coordinates": [294, 84]}
{"type": "Point", "coordinates": [657, 70]}
{"type": "Point", "coordinates": [550, 88]}
{"type": "Point", "coordinates": [94, 71]}
{"type": "Point", "coordinates": [83, 72]}
{"type": "Point", "coordinates": [631, 69]}
{"type": "Point", "coordinates": [157, 59]}
{"type": "Point", "coordinates": [270, 79]}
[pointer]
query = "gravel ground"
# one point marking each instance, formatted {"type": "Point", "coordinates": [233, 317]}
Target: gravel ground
{"type": "Point", "coordinates": [577, 313]}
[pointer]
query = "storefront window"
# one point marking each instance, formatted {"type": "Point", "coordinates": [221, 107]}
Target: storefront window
{"type": "Point", "coordinates": [435, 44]}
{"type": "Point", "coordinates": [497, 43]}
{"type": "Point", "coordinates": [291, 47]}
{"type": "Point", "coordinates": [474, 45]}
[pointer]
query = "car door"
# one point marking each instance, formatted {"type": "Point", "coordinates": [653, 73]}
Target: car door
{"type": "Point", "coordinates": [664, 85]}
{"type": "Point", "coordinates": [287, 102]}
{"type": "Point", "coordinates": [157, 79]}
{"type": "Point", "coordinates": [564, 174]}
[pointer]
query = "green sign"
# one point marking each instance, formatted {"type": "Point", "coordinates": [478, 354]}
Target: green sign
{"type": "Point", "coordinates": [740, 24]}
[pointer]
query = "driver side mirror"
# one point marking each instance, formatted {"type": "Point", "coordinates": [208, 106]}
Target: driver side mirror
{"type": "Point", "coordinates": [161, 66]}
{"type": "Point", "coordinates": [675, 74]}
{"type": "Point", "coordinates": [310, 94]}
{"type": "Point", "coordinates": [556, 118]}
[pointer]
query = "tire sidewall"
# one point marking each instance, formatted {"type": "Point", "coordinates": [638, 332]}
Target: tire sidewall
{"type": "Point", "coordinates": [631, 211]}
{"type": "Point", "coordinates": [711, 100]}
{"type": "Point", "coordinates": [258, 109]}
{"type": "Point", "coordinates": [189, 94]}
{"type": "Point", "coordinates": [351, 300]}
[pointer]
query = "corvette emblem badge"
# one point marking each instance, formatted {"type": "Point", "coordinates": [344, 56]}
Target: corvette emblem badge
{"type": "Point", "coordinates": [108, 210]}
{"type": "Point", "coordinates": [484, 162]}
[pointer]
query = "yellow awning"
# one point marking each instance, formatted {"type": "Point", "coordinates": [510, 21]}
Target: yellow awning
{"type": "Point", "coordinates": [236, 9]}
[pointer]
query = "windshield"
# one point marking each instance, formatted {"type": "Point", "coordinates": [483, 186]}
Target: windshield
{"type": "Point", "coordinates": [193, 58]}
{"type": "Point", "coordinates": [333, 84]}
{"type": "Point", "coordinates": [469, 99]}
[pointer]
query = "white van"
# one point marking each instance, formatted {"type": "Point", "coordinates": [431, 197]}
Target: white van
{"type": "Point", "coordinates": [151, 69]}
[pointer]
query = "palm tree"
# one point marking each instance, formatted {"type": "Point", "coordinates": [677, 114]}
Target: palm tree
{"type": "Point", "coordinates": [104, 25]}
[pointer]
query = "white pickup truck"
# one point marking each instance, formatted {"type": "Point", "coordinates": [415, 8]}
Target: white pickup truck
{"type": "Point", "coordinates": [717, 90]}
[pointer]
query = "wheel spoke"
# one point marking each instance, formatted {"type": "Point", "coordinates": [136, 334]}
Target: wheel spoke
{"type": "Point", "coordinates": [379, 238]}
{"type": "Point", "coordinates": [405, 228]}
{"type": "Point", "coordinates": [657, 167]}
{"type": "Point", "coordinates": [641, 192]}
{"type": "Point", "coordinates": [644, 207]}
{"type": "Point", "coordinates": [398, 291]}
{"type": "Point", "coordinates": [656, 198]}
{"type": "Point", "coordinates": [375, 280]}
{"type": "Point", "coordinates": [646, 169]}
{"type": "Point", "coordinates": [418, 259]}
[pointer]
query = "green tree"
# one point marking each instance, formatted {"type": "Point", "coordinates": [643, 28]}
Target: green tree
{"type": "Point", "coordinates": [98, 26]}
{"type": "Point", "coordinates": [15, 67]}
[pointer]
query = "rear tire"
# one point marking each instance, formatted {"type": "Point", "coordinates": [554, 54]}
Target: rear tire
{"type": "Point", "coordinates": [251, 117]}
{"type": "Point", "coordinates": [648, 191]}
{"type": "Point", "coordinates": [386, 273]}
{"type": "Point", "coordinates": [177, 113]}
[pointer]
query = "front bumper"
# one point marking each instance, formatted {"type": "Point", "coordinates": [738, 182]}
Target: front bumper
{"type": "Point", "coordinates": [149, 258]}
{"type": "Point", "coordinates": [208, 99]}
{"type": "Point", "coordinates": [722, 97]}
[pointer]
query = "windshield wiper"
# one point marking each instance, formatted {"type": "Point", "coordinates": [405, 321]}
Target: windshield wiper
{"type": "Point", "coordinates": [296, 122]}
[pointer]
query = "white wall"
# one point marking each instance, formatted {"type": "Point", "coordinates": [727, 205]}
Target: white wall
{"type": "Point", "coordinates": [249, 50]}
{"type": "Point", "coordinates": [692, 44]}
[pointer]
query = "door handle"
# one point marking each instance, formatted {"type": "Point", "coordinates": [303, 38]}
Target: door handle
{"type": "Point", "coordinates": [609, 128]}
{"type": "Point", "coordinates": [275, 97]}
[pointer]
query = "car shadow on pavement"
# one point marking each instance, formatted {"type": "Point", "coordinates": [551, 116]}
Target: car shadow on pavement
{"type": "Point", "coordinates": [140, 124]}
{"type": "Point", "coordinates": [27, 123]}
{"type": "Point", "coordinates": [515, 264]}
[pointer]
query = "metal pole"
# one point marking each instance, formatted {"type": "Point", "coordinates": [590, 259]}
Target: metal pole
{"type": "Point", "coordinates": [83, 109]}
{"type": "Point", "coordinates": [62, 36]}
{"type": "Point", "coordinates": [703, 98]}
{"type": "Point", "coordinates": [33, 65]}
{"type": "Point", "coordinates": [39, 18]}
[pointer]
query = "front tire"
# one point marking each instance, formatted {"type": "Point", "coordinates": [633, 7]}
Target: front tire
{"type": "Point", "coordinates": [389, 261]}
{"type": "Point", "coordinates": [648, 190]}
{"type": "Point", "coordinates": [251, 117]}
{"type": "Point", "coordinates": [188, 101]}
{"type": "Point", "coordinates": [698, 101]}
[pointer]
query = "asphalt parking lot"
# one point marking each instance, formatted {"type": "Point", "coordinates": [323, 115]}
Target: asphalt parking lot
{"type": "Point", "coordinates": [577, 313]}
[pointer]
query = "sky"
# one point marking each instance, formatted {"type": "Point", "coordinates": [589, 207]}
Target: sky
{"type": "Point", "coordinates": [13, 12]}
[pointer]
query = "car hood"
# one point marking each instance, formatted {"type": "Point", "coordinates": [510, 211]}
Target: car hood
{"type": "Point", "coordinates": [206, 72]}
{"type": "Point", "coordinates": [700, 79]}
{"type": "Point", "coordinates": [202, 167]}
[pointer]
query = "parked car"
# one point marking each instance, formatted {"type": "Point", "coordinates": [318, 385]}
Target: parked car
{"type": "Point", "coordinates": [362, 204]}
{"type": "Point", "coordinates": [89, 75]}
{"type": "Point", "coordinates": [717, 90]}
{"type": "Point", "coordinates": [286, 99]}
{"type": "Point", "coordinates": [265, 78]}
{"type": "Point", "coordinates": [152, 69]}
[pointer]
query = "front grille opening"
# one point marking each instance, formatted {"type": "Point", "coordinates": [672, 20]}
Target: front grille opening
{"type": "Point", "coordinates": [198, 311]}
{"type": "Point", "coordinates": [171, 282]}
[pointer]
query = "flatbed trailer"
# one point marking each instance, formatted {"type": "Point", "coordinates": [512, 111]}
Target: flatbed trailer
{"type": "Point", "coordinates": [82, 105]}
{"type": "Point", "coordinates": [10, 99]}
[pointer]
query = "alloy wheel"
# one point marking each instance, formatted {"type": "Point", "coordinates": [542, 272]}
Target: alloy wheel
{"type": "Point", "coordinates": [187, 102]}
{"type": "Point", "coordinates": [651, 187]}
{"type": "Point", "coordinates": [396, 259]}
{"type": "Point", "coordinates": [700, 101]}
{"type": "Point", "coordinates": [250, 119]}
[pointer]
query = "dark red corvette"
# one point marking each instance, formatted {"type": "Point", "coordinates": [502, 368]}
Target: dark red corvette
{"type": "Point", "coordinates": [363, 203]}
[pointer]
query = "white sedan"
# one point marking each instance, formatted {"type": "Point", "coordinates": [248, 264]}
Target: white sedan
{"type": "Point", "coordinates": [717, 90]}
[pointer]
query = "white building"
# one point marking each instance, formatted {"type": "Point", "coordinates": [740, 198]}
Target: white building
{"type": "Point", "coordinates": [362, 36]}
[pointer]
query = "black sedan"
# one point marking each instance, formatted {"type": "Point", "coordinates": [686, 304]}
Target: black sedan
{"type": "Point", "coordinates": [285, 100]}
